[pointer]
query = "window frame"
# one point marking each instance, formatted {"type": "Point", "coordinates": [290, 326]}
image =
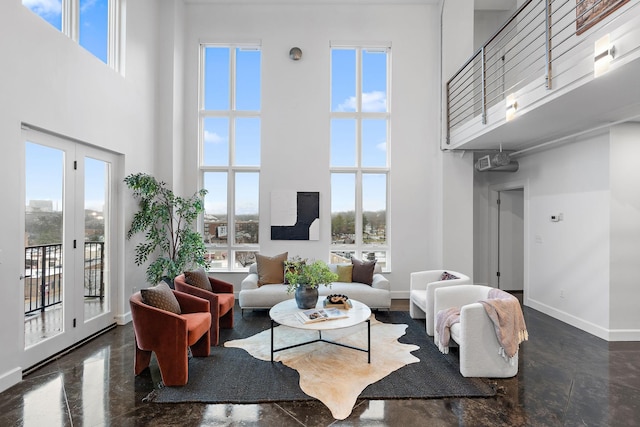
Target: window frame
{"type": "Point", "coordinates": [230, 168]}
{"type": "Point", "coordinates": [358, 248]}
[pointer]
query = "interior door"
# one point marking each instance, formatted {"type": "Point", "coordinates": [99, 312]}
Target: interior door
{"type": "Point", "coordinates": [511, 240]}
{"type": "Point", "coordinates": [68, 190]}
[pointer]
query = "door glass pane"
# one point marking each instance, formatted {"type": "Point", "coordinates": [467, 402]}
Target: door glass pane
{"type": "Point", "coordinates": [374, 209]}
{"type": "Point", "coordinates": [94, 27]}
{"type": "Point", "coordinates": [43, 283]}
{"type": "Point", "coordinates": [96, 198]}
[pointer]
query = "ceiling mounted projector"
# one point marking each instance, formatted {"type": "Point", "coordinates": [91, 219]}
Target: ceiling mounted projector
{"type": "Point", "coordinates": [500, 161]}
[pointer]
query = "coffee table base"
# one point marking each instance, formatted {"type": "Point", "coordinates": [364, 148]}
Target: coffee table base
{"type": "Point", "coordinates": [320, 339]}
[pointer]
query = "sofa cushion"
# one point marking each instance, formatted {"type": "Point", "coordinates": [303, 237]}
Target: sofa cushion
{"type": "Point", "coordinates": [345, 273]}
{"type": "Point", "coordinates": [161, 296]}
{"type": "Point", "coordinates": [198, 278]}
{"type": "Point", "coordinates": [271, 269]}
{"type": "Point", "coordinates": [362, 271]}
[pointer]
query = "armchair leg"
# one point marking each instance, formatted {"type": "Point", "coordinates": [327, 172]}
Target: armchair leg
{"type": "Point", "coordinates": [142, 360]}
{"type": "Point", "coordinates": [214, 334]}
{"type": "Point", "coordinates": [174, 367]}
{"type": "Point", "coordinates": [202, 347]}
{"type": "Point", "coordinates": [226, 321]}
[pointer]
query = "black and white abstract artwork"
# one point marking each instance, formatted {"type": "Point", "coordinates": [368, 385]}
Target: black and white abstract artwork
{"type": "Point", "coordinates": [295, 215]}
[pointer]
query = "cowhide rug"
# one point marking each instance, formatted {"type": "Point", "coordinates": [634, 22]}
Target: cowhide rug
{"type": "Point", "coordinates": [333, 374]}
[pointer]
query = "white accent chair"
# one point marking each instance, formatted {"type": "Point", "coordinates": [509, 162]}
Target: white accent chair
{"type": "Point", "coordinates": [475, 334]}
{"type": "Point", "coordinates": [422, 286]}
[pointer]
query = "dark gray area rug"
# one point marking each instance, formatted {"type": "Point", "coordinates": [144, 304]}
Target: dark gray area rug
{"type": "Point", "coordinates": [231, 375]}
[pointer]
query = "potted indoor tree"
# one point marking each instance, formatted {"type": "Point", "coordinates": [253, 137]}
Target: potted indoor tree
{"type": "Point", "coordinates": [167, 223]}
{"type": "Point", "coordinates": [303, 278]}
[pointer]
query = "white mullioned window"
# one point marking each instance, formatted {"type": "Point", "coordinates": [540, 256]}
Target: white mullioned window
{"type": "Point", "coordinates": [229, 141]}
{"type": "Point", "coordinates": [360, 140]}
{"type": "Point", "coordinates": [94, 24]}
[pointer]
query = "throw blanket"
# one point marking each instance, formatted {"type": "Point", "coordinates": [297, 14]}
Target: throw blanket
{"type": "Point", "coordinates": [506, 314]}
{"type": "Point", "coordinates": [444, 320]}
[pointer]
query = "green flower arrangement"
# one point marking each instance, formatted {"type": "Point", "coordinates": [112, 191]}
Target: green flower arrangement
{"type": "Point", "coordinates": [299, 272]}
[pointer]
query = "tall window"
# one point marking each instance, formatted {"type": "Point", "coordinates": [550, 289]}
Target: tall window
{"type": "Point", "coordinates": [359, 153]}
{"type": "Point", "coordinates": [230, 153]}
{"type": "Point", "coordinates": [92, 23]}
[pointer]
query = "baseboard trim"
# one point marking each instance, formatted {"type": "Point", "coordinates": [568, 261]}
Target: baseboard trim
{"type": "Point", "coordinates": [123, 319]}
{"type": "Point", "coordinates": [570, 319]}
{"type": "Point", "coordinates": [67, 350]}
{"type": "Point", "coordinates": [10, 378]}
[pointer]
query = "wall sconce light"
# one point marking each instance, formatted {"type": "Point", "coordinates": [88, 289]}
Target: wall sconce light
{"type": "Point", "coordinates": [603, 55]}
{"type": "Point", "coordinates": [295, 53]}
{"type": "Point", "coordinates": [511, 107]}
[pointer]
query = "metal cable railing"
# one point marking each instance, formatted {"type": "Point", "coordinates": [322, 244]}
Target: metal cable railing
{"type": "Point", "coordinates": [523, 51]}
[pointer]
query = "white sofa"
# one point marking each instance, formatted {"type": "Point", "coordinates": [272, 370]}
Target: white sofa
{"type": "Point", "coordinates": [475, 334]}
{"type": "Point", "coordinates": [422, 286]}
{"type": "Point", "coordinates": [376, 296]}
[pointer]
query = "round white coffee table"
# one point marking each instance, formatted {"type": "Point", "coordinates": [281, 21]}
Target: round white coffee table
{"type": "Point", "coordinates": [285, 313]}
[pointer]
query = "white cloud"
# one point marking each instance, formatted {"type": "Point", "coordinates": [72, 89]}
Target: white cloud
{"type": "Point", "coordinates": [375, 101]}
{"type": "Point", "coordinates": [44, 7]}
{"type": "Point", "coordinates": [382, 146]}
{"type": "Point", "coordinates": [213, 137]}
{"type": "Point", "coordinates": [88, 4]}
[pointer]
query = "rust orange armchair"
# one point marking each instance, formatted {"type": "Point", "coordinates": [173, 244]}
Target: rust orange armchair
{"type": "Point", "coordinates": [168, 335]}
{"type": "Point", "coordinates": [221, 302]}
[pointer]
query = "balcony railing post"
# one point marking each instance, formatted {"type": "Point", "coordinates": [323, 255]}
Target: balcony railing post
{"type": "Point", "coordinates": [101, 246]}
{"type": "Point", "coordinates": [43, 278]}
{"type": "Point", "coordinates": [484, 85]}
{"type": "Point", "coordinates": [547, 20]}
{"type": "Point", "coordinates": [448, 140]}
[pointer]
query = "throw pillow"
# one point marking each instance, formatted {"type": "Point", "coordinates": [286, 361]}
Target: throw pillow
{"type": "Point", "coordinates": [448, 276]}
{"type": "Point", "coordinates": [362, 271]}
{"type": "Point", "coordinates": [271, 269]}
{"type": "Point", "coordinates": [198, 278]}
{"type": "Point", "coordinates": [345, 273]}
{"type": "Point", "coordinates": [161, 296]}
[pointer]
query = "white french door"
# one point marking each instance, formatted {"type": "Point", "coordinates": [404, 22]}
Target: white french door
{"type": "Point", "coordinates": [69, 191]}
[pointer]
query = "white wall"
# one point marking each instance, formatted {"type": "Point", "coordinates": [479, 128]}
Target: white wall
{"type": "Point", "coordinates": [295, 113]}
{"type": "Point", "coordinates": [457, 170]}
{"type": "Point", "coordinates": [568, 261]}
{"type": "Point", "coordinates": [625, 231]}
{"type": "Point", "coordinates": [50, 82]}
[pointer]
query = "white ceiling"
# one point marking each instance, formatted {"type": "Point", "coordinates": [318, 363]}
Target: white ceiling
{"type": "Point", "coordinates": [494, 4]}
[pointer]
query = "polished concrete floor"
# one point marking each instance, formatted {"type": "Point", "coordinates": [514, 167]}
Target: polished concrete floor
{"type": "Point", "coordinates": [566, 378]}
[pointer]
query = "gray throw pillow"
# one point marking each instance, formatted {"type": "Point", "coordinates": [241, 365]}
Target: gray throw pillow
{"type": "Point", "coordinates": [198, 278]}
{"type": "Point", "coordinates": [161, 296]}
